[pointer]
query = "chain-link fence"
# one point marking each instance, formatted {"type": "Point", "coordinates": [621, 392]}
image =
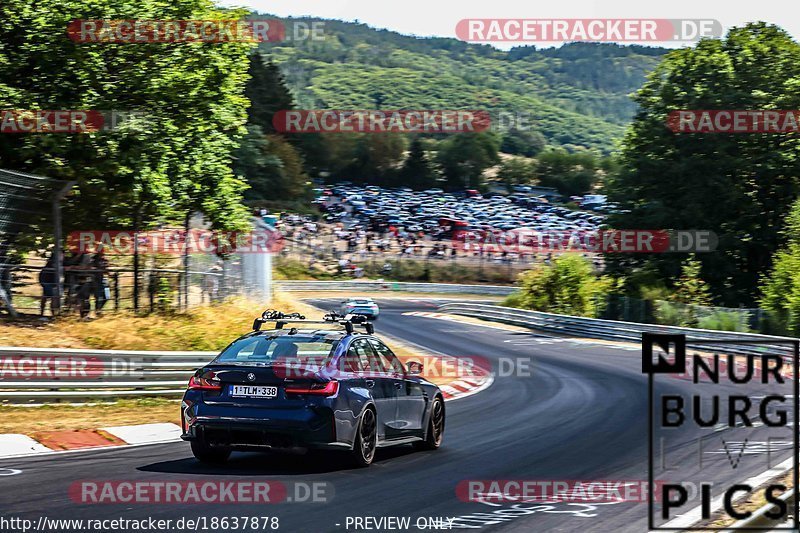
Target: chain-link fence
{"type": "Point", "coordinates": [668, 313]}
{"type": "Point", "coordinates": [88, 291]}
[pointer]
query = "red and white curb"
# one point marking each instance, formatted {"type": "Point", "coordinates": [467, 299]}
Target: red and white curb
{"type": "Point", "coordinates": [146, 433]}
{"type": "Point", "coordinates": [464, 387]}
{"type": "Point", "coordinates": [13, 444]}
{"type": "Point", "coordinates": [474, 380]}
{"type": "Point", "coordinates": [16, 445]}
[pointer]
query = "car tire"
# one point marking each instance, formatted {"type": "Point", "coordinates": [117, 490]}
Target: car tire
{"type": "Point", "coordinates": [366, 440]}
{"type": "Point", "coordinates": [435, 433]}
{"type": "Point", "coordinates": [208, 455]}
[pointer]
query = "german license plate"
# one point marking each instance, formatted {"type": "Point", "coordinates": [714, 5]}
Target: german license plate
{"type": "Point", "coordinates": [253, 391]}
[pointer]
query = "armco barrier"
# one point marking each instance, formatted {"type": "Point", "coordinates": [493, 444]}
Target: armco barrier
{"type": "Point", "coordinates": [379, 286]}
{"type": "Point", "coordinates": [595, 328]}
{"type": "Point", "coordinates": [35, 375]}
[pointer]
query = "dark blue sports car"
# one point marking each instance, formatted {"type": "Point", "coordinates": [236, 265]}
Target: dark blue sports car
{"type": "Point", "coordinates": [301, 385]}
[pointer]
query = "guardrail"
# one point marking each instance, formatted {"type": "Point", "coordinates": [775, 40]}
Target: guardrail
{"type": "Point", "coordinates": [36, 375]}
{"type": "Point", "coordinates": [370, 286]}
{"type": "Point", "coordinates": [595, 328]}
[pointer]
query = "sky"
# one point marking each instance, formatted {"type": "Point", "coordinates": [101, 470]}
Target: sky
{"type": "Point", "coordinates": [439, 17]}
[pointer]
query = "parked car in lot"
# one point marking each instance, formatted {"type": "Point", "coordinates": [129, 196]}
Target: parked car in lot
{"type": "Point", "coordinates": [416, 211]}
{"type": "Point", "coordinates": [310, 387]}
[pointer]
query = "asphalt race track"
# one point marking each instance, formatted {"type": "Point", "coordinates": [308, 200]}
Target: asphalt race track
{"type": "Point", "coordinates": [581, 415]}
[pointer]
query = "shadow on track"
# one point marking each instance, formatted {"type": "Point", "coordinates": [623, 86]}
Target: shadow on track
{"type": "Point", "coordinates": [268, 463]}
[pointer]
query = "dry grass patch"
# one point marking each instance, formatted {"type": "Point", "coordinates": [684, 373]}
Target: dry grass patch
{"type": "Point", "coordinates": [29, 420]}
{"type": "Point", "coordinates": [205, 328]}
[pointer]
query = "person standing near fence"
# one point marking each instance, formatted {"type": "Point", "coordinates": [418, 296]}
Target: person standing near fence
{"type": "Point", "coordinates": [48, 281]}
{"type": "Point", "coordinates": [78, 279]}
{"type": "Point", "coordinates": [211, 285]}
{"type": "Point", "coordinates": [102, 292]}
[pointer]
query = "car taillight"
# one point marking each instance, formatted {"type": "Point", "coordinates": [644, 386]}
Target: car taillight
{"type": "Point", "coordinates": [196, 383]}
{"type": "Point", "coordinates": [317, 389]}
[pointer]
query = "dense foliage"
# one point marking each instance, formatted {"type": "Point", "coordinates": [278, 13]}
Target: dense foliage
{"type": "Point", "coordinates": [781, 288]}
{"type": "Point", "coordinates": [271, 164]}
{"type": "Point", "coordinates": [175, 160]}
{"type": "Point", "coordinates": [739, 186]}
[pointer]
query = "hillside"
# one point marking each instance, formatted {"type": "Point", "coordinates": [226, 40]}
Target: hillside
{"type": "Point", "coordinates": [577, 95]}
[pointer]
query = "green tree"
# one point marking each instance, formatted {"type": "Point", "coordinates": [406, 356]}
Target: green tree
{"type": "Point", "coordinates": [690, 287]}
{"type": "Point", "coordinates": [523, 142]}
{"type": "Point", "coordinates": [273, 167]}
{"type": "Point", "coordinates": [465, 156]}
{"type": "Point", "coordinates": [267, 92]}
{"type": "Point", "coordinates": [375, 159]}
{"type": "Point", "coordinates": [691, 292]}
{"type": "Point", "coordinates": [739, 186]}
{"type": "Point", "coordinates": [175, 159]}
{"type": "Point", "coordinates": [417, 171]}
{"type": "Point", "coordinates": [516, 171]}
{"type": "Point", "coordinates": [569, 286]}
{"type": "Point", "coordinates": [780, 289]}
{"type": "Point", "coordinates": [571, 174]}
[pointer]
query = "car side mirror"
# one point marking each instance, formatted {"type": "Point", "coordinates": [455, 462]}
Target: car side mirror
{"type": "Point", "coordinates": [414, 368]}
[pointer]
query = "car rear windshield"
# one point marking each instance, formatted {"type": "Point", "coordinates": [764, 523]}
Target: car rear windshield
{"type": "Point", "coordinates": [363, 302]}
{"type": "Point", "coordinates": [282, 349]}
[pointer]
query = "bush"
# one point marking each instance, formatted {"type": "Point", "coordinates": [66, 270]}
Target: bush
{"type": "Point", "coordinates": [569, 286]}
{"type": "Point", "coordinates": [724, 321]}
{"type": "Point", "coordinates": [673, 314]}
{"type": "Point", "coordinates": [515, 299]}
{"type": "Point", "coordinates": [285, 268]}
{"type": "Point", "coordinates": [781, 287]}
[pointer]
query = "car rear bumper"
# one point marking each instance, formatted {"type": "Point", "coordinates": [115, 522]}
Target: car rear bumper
{"type": "Point", "coordinates": [366, 312]}
{"type": "Point", "coordinates": [250, 434]}
{"type": "Point", "coordinates": [263, 428]}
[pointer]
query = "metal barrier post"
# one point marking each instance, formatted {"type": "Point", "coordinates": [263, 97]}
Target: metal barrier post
{"type": "Point", "coordinates": [59, 263]}
{"type": "Point", "coordinates": [116, 291]}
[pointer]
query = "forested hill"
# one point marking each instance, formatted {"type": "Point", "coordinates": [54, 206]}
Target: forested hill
{"type": "Point", "coordinates": [578, 94]}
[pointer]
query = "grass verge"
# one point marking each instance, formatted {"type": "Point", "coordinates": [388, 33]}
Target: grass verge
{"type": "Point", "coordinates": [30, 420]}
